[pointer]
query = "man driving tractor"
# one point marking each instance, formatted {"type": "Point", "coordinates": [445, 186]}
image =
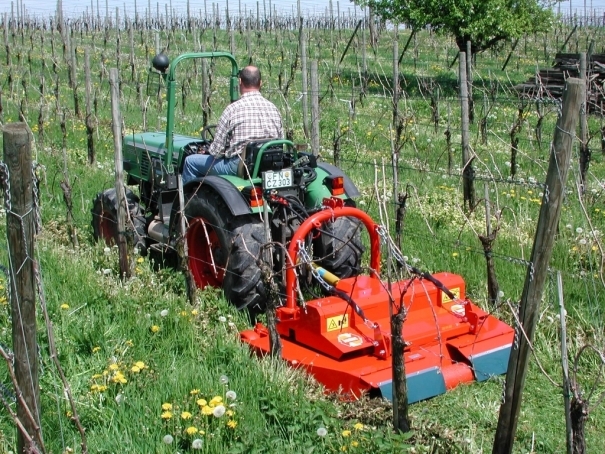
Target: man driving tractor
{"type": "Point", "coordinates": [250, 117]}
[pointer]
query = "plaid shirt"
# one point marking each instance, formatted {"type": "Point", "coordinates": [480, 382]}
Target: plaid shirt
{"type": "Point", "coordinates": [250, 117]}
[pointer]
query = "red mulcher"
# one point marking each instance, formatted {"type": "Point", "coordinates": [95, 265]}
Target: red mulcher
{"type": "Point", "coordinates": [344, 341]}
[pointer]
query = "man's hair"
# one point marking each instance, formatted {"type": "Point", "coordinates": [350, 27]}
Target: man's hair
{"type": "Point", "coordinates": [250, 77]}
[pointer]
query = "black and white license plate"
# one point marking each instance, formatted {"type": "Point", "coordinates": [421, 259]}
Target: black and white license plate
{"type": "Point", "coordinates": [276, 180]}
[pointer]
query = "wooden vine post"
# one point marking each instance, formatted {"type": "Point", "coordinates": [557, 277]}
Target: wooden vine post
{"type": "Point", "coordinates": [119, 166]}
{"type": "Point", "coordinates": [20, 229]}
{"type": "Point", "coordinates": [467, 160]}
{"type": "Point", "coordinates": [537, 270]}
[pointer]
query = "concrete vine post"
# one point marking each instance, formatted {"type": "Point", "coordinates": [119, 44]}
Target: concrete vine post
{"type": "Point", "coordinates": [119, 167]}
{"type": "Point", "coordinates": [537, 271]}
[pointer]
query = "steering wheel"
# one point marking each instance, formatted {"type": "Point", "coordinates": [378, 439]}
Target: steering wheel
{"type": "Point", "coordinates": [208, 132]}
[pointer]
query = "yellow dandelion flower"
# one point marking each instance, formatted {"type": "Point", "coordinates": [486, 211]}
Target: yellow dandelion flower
{"type": "Point", "coordinates": [343, 448]}
{"type": "Point", "coordinates": [232, 424]}
{"type": "Point", "coordinates": [229, 412]}
{"type": "Point", "coordinates": [129, 343]}
{"type": "Point", "coordinates": [354, 444]}
{"type": "Point", "coordinates": [206, 410]}
{"type": "Point", "coordinates": [193, 392]}
{"type": "Point", "coordinates": [135, 369]}
{"type": "Point", "coordinates": [113, 366]}
{"type": "Point", "coordinates": [191, 430]}
{"type": "Point", "coordinates": [166, 415]}
{"type": "Point", "coordinates": [358, 426]}
{"type": "Point", "coordinates": [194, 312]}
{"type": "Point", "coordinates": [166, 406]}
{"type": "Point", "coordinates": [140, 364]}
{"type": "Point", "coordinates": [64, 306]}
{"type": "Point", "coordinates": [96, 376]}
{"type": "Point", "coordinates": [155, 328]}
{"type": "Point", "coordinates": [454, 254]}
{"type": "Point", "coordinates": [201, 402]}
{"type": "Point", "coordinates": [186, 415]}
{"type": "Point", "coordinates": [96, 349]}
{"type": "Point", "coordinates": [594, 248]}
{"type": "Point", "coordinates": [215, 401]}
{"type": "Point", "coordinates": [184, 313]}
{"type": "Point", "coordinates": [346, 433]}
{"type": "Point", "coordinates": [140, 260]}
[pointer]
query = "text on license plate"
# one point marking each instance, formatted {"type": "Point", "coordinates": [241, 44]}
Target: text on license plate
{"type": "Point", "coordinates": [279, 179]}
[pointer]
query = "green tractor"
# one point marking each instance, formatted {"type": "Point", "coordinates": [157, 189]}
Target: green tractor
{"type": "Point", "coordinates": [277, 186]}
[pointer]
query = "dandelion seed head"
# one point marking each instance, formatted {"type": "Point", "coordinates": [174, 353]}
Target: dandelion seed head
{"type": "Point", "coordinates": [322, 432]}
{"type": "Point", "coordinates": [223, 379]}
{"type": "Point", "coordinates": [164, 313]}
{"type": "Point", "coordinates": [579, 230]}
{"type": "Point", "coordinates": [218, 411]}
{"type": "Point", "coordinates": [197, 443]}
{"type": "Point", "coordinates": [231, 395]}
{"type": "Point", "coordinates": [168, 439]}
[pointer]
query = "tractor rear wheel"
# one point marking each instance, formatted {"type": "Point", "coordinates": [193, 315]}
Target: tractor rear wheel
{"type": "Point", "coordinates": [224, 250]}
{"type": "Point", "coordinates": [339, 248]}
{"type": "Point", "coordinates": [105, 216]}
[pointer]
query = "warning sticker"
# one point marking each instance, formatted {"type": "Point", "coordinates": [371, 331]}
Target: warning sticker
{"type": "Point", "coordinates": [447, 299]}
{"type": "Point", "coordinates": [350, 339]}
{"type": "Point", "coordinates": [334, 323]}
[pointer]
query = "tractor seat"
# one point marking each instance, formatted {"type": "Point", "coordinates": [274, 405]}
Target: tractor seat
{"type": "Point", "coordinates": [273, 158]}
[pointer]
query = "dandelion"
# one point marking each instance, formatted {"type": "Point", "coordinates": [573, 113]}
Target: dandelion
{"type": "Point", "coordinates": [569, 226]}
{"type": "Point", "coordinates": [218, 411]}
{"type": "Point", "coordinates": [140, 364]}
{"type": "Point", "coordinates": [358, 426]}
{"type": "Point", "coordinates": [346, 433]}
{"type": "Point", "coordinates": [135, 369]}
{"type": "Point", "coordinates": [113, 366]}
{"type": "Point", "coordinates": [155, 328]}
{"type": "Point", "coordinates": [582, 241]}
{"type": "Point", "coordinates": [201, 402]}
{"type": "Point", "coordinates": [579, 230]}
{"type": "Point", "coordinates": [140, 260]}
{"type": "Point", "coordinates": [215, 401]}
{"type": "Point", "coordinates": [191, 430]}
{"type": "Point", "coordinates": [166, 415]}
{"type": "Point", "coordinates": [223, 379]}
{"type": "Point", "coordinates": [96, 349]}
{"type": "Point", "coordinates": [222, 319]}
{"type": "Point", "coordinates": [354, 444]}
{"type": "Point", "coordinates": [166, 406]}
{"type": "Point", "coordinates": [454, 254]}
{"type": "Point", "coordinates": [322, 432]}
{"type": "Point", "coordinates": [164, 313]}
{"type": "Point", "coordinates": [193, 392]}
{"type": "Point", "coordinates": [106, 250]}
{"type": "Point", "coordinates": [168, 439]}
{"type": "Point", "coordinates": [500, 294]}
{"type": "Point", "coordinates": [106, 271]}
{"type": "Point", "coordinates": [186, 415]}
{"type": "Point", "coordinates": [232, 424]}
{"type": "Point", "coordinates": [197, 444]}
{"type": "Point", "coordinates": [231, 395]}
{"type": "Point", "coordinates": [64, 306]}
{"type": "Point", "coordinates": [206, 410]}
{"type": "Point", "coordinates": [194, 312]}
{"type": "Point", "coordinates": [119, 398]}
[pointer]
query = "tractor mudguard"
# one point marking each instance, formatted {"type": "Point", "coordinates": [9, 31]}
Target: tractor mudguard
{"type": "Point", "coordinates": [350, 188]}
{"type": "Point", "coordinates": [234, 199]}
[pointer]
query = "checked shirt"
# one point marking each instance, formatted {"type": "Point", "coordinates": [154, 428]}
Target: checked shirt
{"type": "Point", "coordinates": [250, 117]}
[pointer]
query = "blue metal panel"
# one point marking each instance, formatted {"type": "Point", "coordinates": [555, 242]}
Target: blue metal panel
{"type": "Point", "coordinates": [421, 385]}
{"type": "Point", "coordinates": [493, 362]}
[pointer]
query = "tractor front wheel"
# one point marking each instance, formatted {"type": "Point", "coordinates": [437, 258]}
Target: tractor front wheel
{"type": "Point", "coordinates": [225, 250]}
{"type": "Point", "coordinates": [105, 217]}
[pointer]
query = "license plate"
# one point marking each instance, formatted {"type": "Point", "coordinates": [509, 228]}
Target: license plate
{"type": "Point", "coordinates": [279, 179]}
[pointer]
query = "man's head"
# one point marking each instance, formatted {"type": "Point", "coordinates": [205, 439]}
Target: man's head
{"type": "Point", "coordinates": [249, 79]}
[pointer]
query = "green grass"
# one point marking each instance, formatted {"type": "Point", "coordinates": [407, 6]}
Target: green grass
{"type": "Point", "coordinates": [109, 324]}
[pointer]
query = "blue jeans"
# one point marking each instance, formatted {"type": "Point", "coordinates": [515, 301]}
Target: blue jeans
{"type": "Point", "coordinates": [200, 165]}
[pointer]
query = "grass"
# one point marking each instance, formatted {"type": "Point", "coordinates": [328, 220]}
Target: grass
{"type": "Point", "coordinates": [103, 325]}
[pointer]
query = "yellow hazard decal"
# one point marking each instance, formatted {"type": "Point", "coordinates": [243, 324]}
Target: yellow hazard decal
{"type": "Point", "coordinates": [334, 323]}
{"type": "Point", "coordinates": [447, 299]}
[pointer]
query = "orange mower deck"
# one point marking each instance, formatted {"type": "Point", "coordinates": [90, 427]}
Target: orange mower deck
{"type": "Point", "coordinates": [448, 342]}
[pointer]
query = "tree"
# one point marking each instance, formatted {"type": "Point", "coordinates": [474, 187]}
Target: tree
{"type": "Point", "coordinates": [482, 22]}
